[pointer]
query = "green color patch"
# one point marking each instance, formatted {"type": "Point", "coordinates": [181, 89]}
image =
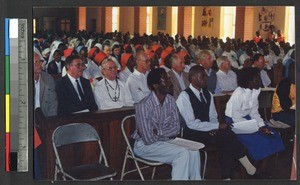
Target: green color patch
{"type": "Point", "coordinates": [7, 74]}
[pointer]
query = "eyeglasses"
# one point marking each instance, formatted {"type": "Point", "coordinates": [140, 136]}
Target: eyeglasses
{"type": "Point", "coordinates": [79, 64]}
{"type": "Point", "coordinates": [111, 68]}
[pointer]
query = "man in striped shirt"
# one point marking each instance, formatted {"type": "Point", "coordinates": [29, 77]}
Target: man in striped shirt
{"type": "Point", "coordinates": [157, 122]}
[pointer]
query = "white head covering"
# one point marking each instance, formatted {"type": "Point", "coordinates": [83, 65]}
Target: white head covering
{"type": "Point", "coordinates": [89, 44]}
{"type": "Point", "coordinates": [47, 50]}
{"type": "Point", "coordinates": [35, 50]}
{"type": "Point", "coordinates": [99, 46]}
{"type": "Point", "coordinates": [55, 44]}
{"type": "Point", "coordinates": [53, 47]}
{"type": "Point", "coordinates": [115, 43]}
{"type": "Point", "coordinates": [74, 43]}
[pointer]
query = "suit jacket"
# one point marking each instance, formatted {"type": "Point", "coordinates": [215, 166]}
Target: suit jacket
{"type": "Point", "coordinates": [176, 86]}
{"type": "Point", "coordinates": [212, 81]}
{"type": "Point", "coordinates": [68, 100]}
{"type": "Point", "coordinates": [48, 98]}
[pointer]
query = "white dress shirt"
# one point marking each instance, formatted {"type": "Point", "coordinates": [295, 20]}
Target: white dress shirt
{"type": "Point", "coordinates": [37, 102]}
{"type": "Point", "coordinates": [226, 81]}
{"type": "Point", "coordinates": [265, 78]}
{"type": "Point", "coordinates": [243, 57]}
{"type": "Point", "coordinates": [103, 94]}
{"type": "Point", "coordinates": [272, 59]}
{"type": "Point", "coordinates": [137, 85]}
{"type": "Point", "coordinates": [124, 75]}
{"type": "Point", "coordinates": [74, 83]}
{"type": "Point", "coordinates": [244, 102]}
{"type": "Point", "coordinates": [58, 64]}
{"type": "Point", "coordinates": [185, 108]}
{"type": "Point", "coordinates": [92, 69]}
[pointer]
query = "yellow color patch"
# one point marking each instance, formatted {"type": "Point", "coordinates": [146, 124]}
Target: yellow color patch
{"type": "Point", "coordinates": [7, 113]}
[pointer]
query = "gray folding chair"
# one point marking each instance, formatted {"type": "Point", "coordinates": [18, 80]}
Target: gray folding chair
{"type": "Point", "coordinates": [77, 133]}
{"type": "Point", "coordinates": [130, 154]}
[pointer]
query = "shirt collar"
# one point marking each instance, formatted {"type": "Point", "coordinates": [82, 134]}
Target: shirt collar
{"type": "Point", "coordinates": [73, 80]}
{"type": "Point", "coordinates": [111, 82]}
{"type": "Point", "coordinates": [157, 101]}
{"type": "Point", "coordinates": [178, 75]}
{"type": "Point", "coordinates": [208, 71]}
{"type": "Point", "coordinates": [195, 91]}
{"type": "Point", "coordinates": [136, 72]}
{"type": "Point", "coordinates": [223, 72]}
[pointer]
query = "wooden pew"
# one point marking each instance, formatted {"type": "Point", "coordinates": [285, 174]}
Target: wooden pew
{"type": "Point", "coordinates": [108, 125]}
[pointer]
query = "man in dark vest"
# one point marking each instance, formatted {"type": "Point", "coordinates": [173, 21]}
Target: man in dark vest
{"type": "Point", "coordinates": [196, 105]}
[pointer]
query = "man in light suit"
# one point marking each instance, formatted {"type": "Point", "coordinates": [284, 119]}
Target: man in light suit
{"type": "Point", "coordinates": [178, 77]}
{"type": "Point", "coordinates": [44, 95]}
{"type": "Point", "coordinates": [74, 93]}
{"type": "Point", "coordinates": [45, 104]}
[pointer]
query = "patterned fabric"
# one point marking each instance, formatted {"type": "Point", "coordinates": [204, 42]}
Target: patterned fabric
{"type": "Point", "coordinates": [150, 114]}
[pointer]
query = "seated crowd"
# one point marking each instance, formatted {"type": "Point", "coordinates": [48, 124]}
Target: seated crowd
{"type": "Point", "coordinates": [166, 78]}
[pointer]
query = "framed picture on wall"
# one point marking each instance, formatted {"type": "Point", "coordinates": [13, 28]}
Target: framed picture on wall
{"type": "Point", "coordinates": [207, 17]}
{"type": "Point", "coordinates": [161, 17]}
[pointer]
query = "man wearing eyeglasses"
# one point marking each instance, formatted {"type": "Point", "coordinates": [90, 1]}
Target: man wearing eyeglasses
{"type": "Point", "coordinates": [74, 93]}
{"type": "Point", "coordinates": [111, 92]}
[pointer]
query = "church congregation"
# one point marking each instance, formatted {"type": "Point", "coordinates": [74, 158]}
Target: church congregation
{"type": "Point", "coordinates": [172, 83]}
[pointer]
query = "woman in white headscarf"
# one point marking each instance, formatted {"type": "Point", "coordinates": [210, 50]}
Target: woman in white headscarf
{"type": "Point", "coordinates": [89, 44]}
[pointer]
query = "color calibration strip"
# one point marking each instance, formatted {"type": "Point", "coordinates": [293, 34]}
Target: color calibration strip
{"type": "Point", "coordinates": [16, 95]}
{"type": "Point", "coordinates": [7, 97]}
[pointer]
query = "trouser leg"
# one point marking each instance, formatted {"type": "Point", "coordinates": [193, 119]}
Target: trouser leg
{"type": "Point", "coordinates": [194, 163]}
{"type": "Point", "coordinates": [176, 156]}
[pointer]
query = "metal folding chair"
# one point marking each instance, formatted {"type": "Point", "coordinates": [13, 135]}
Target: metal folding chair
{"type": "Point", "coordinates": [130, 154]}
{"type": "Point", "coordinates": [204, 150]}
{"type": "Point", "coordinates": [77, 133]}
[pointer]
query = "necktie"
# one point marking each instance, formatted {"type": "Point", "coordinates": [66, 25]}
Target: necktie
{"type": "Point", "coordinates": [202, 98]}
{"type": "Point", "coordinates": [79, 90]}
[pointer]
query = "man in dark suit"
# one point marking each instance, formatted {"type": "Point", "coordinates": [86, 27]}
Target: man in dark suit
{"type": "Point", "coordinates": [74, 93]}
{"type": "Point", "coordinates": [178, 77]}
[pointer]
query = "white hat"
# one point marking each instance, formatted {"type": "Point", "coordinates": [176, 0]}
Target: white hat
{"type": "Point", "coordinates": [47, 50]}
{"type": "Point", "coordinates": [98, 45]}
